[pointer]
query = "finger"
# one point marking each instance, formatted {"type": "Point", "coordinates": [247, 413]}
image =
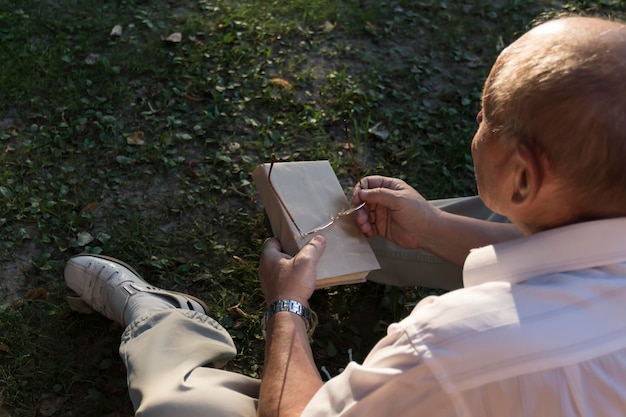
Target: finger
{"type": "Point", "coordinates": [316, 246]}
{"type": "Point", "coordinates": [377, 181]}
{"type": "Point", "coordinates": [271, 243]}
{"type": "Point", "coordinates": [366, 228]}
{"type": "Point", "coordinates": [372, 221]}
{"type": "Point", "coordinates": [312, 251]}
{"type": "Point", "coordinates": [383, 198]}
{"type": "Point", "coordinates": [362, 217]}
{"type": "Point", "coordinates": [361, 185]}
{"type": "Point", "coordinates": [272, 249]}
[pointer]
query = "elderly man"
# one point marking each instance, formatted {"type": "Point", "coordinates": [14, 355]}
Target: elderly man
{"type": "Point", "coordinates": [536, 331]}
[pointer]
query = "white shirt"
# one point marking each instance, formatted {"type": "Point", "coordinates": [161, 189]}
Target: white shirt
{"type": "Point", "coordinates": [538, 330]}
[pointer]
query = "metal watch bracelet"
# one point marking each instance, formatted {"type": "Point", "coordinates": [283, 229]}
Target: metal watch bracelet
{"type": "Point", "coordinates": [292, 306]}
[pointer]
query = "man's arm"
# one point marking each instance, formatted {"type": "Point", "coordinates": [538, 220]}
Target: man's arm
{"type": "Point", "coordinates": [290, 378]}
{"type": "Point", "coordinates": [453, 236]}
{"type": "Point", "coordinates": [397, 212]}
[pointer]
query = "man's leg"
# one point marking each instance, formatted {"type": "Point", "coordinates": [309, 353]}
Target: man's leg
{"type": "Point", "coordinates": [415, 267]}
{"type": "Point", "coordinates": [171, 359]}
{"type": "Point", "coordinates": [172, 350]}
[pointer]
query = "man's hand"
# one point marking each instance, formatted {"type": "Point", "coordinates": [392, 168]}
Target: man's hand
{"type": "Point", "coordinates": [286, 277]}
{"type": "Point", "coordinates": [397, 212]}
{"type": "Point", "coordinates": [290, 377]}
{"type": "Point", "coordinates": [394, 210]}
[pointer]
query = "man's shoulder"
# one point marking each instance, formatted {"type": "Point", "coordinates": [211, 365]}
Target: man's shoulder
{"type": "Point", "coordinates": [536, 303]}
{"type": "Point", "coordinates": [574, 247]}
{"type": "Point", "coordinates": [500, 329]}
{"type": "Point", "coordinates": [452, 314]}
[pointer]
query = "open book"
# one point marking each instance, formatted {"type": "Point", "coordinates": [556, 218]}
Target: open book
{"type": "Point", "coordinates": [312, 194]}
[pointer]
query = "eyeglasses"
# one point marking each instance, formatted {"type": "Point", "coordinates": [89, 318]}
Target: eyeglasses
{"type": "Point", "coordinates": [331, 219]}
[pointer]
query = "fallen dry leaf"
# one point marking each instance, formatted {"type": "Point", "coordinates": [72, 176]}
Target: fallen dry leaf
{"type": "Point", "coordinates": [175, 37]}
{"type": "Point", "coordinates": [179, 260]}
{"type": "Point", "coordinates": [37, 293]}
{"type": "Point", "coordinates": [282, 83]}
{"type": "Point", "coordinates": [92, 59]}
{"type": "Point", "coordinates": [4, 348]}
{"type": "Point", "coordinates": [328, 27]}
{"type": "Point", "coordinates": [379, 130]}
{"type": "Point", "coordinates": [233, 147]}
{"type": "Point", "coordinates": [91, 207]}
{"type": "Point", "coordinates": [117, 30]}
{"type": "Point", "coordinates": [201, 277]}
{"type": "Point", "coordinates": [371, 26]}
{"type": "Point", "coordinates": [84, 238]}
{"type": "Point", "coordinates": [135, 138]}
{"type": "Point", "coordinates": [190, 97]}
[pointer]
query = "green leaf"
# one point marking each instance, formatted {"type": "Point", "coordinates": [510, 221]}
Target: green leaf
{"type": "Point", "coordinates": [124, 160]}
{"type": "Point", "coordinates": [6, 192]}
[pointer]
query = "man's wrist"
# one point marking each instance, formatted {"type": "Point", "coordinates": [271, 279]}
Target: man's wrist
{"type": "Point", "coordinates": [292, 306]}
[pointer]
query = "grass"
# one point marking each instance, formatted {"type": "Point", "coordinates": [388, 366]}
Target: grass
{"type": "Point", "coordinates": [141, 148]}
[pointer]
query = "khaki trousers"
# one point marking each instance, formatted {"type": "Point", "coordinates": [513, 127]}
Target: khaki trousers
{"type": "Point", "coordinates": [410, 267]}
{"type": "Point", "coordinates": [172, 361]}
{"type": "Point", "coordinates": [173, 357]}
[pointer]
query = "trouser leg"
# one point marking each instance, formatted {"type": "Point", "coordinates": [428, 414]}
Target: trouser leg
{"type": "Point", "coordinates": [415, 267]}
{"type": "Point", "coordinates": [169, 357]}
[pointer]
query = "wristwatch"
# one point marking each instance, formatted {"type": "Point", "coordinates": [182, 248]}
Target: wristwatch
{"type": "Point", "coordinates": [292, 306]}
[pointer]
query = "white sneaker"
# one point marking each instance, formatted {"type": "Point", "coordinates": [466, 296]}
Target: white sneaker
{"type": "Point", "coordinates": [107, 284]}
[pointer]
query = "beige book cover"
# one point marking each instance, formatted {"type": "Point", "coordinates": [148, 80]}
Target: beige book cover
{"type": "Point", "coordinates": [312, 194]}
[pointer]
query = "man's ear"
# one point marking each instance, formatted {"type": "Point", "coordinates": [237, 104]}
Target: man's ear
{"type": "Point", "coordinates": [528, 175]}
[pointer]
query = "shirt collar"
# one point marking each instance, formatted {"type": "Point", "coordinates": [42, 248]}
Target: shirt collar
{"type": "Point", "coordinates": [570, 248]}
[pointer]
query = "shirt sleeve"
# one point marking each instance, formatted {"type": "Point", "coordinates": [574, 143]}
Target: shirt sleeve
{"type": "Point", "coordinates": [393, 380]}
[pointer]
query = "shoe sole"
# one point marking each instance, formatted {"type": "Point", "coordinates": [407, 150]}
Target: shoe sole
{"type": "Point", "coordinates": [131, 269]}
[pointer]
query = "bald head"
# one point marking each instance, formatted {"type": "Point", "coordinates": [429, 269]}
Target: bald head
{"type": "Point", "coordinates": [552, 54]}
{"type": "Point", "coordinates": [561, 89]}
